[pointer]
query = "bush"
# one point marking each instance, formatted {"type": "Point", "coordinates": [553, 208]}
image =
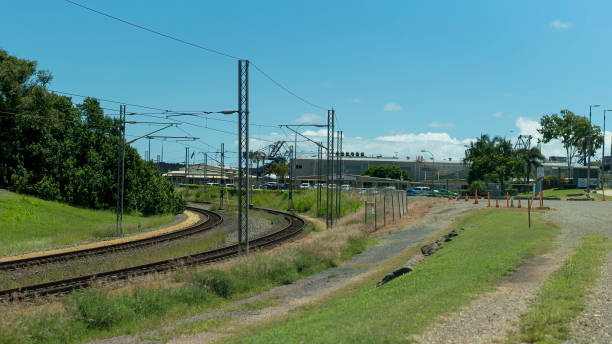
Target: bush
{"type": "Point", "coordinates": [479, 185]}
{"type": "Point", "coordinates": [216, 281]}
{"type": "Point", "coordinates": [97, 310]}
{"type": "Point", "coordinates": [549, 182]}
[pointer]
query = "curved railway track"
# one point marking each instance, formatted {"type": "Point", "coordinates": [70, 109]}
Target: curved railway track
{"type": "Point", "coordinates": [295, 226]}
{"type": "Point", "coordinates": [212, 219]}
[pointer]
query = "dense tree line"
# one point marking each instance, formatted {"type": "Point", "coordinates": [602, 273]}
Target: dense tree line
{"type": "Point", "coordinates": [495, 160]}
{"type": "Point", "coordinates": [64, 152]}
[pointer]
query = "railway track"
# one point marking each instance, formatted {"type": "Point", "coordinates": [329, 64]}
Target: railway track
{"type": "Point", "coordinates": [294, 227]}
{"type": "Point", "coordinates": [212, 219]}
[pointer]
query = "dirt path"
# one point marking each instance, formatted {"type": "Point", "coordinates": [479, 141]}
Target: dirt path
{"type": "Point", "coordinates": [489, 318]}
{"type": "Point", "coordinates": [315, 287]}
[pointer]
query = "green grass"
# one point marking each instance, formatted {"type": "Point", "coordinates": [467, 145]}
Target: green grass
{"type": "Point", "coordinates": [496, 243]}
{"type": "Point", "coordinates": [95, 314]}
{"type": "Point", "coordinates": [304, 201]}
{"type": "Point", "coordinates": [563, 295]}
{"type": "Point", "coordinates": [30, 223]}
{"type": "Point", "coordinates": [556, 193]}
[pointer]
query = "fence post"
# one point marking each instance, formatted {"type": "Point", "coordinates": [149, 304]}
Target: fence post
{"type": "Point", "coordinates": [385, 208]}
{"type": "Point", "coordinates": [392, 207]}
{"type": "Point", "coordinates": [365, 208]}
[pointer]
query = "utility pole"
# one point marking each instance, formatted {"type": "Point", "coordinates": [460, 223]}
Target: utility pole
{"type": "Point", "coordinates": [205, 166]}
{"type": "Point", "coordinates": [149, 151]}
{"type": "Point", "coordinates": [588, 152]}
{"type": "Point", "coordinates": [243, 153]}
{"type": "Point", "coordinates": [120, 169]}
{"type": "Point", "coordinates": [222, 175]}
{"type": "Point", "coordinates": [319, 178]}
{"type": "Point", "coordinates": [291, 172]}
{"type": "Point", "coordinates": [329, 214]}
{"type": "Point", "coordinates": [186, 164]}
{"type": "Point", "coordinates": [340, 172]}
{"type": "Point", "coordinates": [338, 175]}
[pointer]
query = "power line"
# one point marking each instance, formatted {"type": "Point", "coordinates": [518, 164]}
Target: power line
{"type": "Point", "coordinates": [195, 45]}
{"type": "Point", "coordinates": [214, 51]}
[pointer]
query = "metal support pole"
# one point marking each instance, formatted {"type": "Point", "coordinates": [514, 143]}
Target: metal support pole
{"type": "Point", "coordinates": [186, 163]}
{"type": "Point", "coordinates": [149, 151]}
{"type": "Point", "coordinates": [603, 147]}
{"type": "Point", "coordinates": [122, 172]}
{"type": "Point", "coordinates": [291, 172]}
{"type": "Point", "coordinates": [399, 206]}
{"type": "Point", "coordinates": [119, 144]}
{"type": "Point", "coordinates": [319, 179]}
{"type": "Point", "coordinates": [588, 152]}
{"type": "Point", "coordinates": [222, 176]}
{"type": "Point", "coordinates": [392, 208]}
{"type": "Point", "coordinates": [375, 211]}
{"type": "Point", "coordinates": [329, 220]}
{"type": "Point", "coordinates": [205, 166]}
{"type": "Point", "coordinates": [243, 153]}
{"type": "Point", "coordinates": [385, 208]}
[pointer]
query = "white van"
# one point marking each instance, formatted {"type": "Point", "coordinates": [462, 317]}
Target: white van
{"type": "Point", "coordinates": [421, 188]}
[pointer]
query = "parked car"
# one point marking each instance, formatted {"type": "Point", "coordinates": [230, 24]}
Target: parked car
{"type": "Point", "coordinates": [213, 184]}
{"type": "Point", "coordinates": [271, 185]}
{"type": "Point", "coordinates": [230, 186]}
{"type": "Point", "coordinates": [412, 192]}
{"type": "Point", "coordinates": [444, 192]}
{"type": "Point", "coordinates": [346, 187]}
{"type": "Point", "coordinates": [305, 186]}
{"type": "Point", "coordinates": [422, 188]}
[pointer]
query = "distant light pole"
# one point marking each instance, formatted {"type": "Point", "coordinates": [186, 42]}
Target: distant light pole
{"type": "Point", "coordinates": [589, 152]}
{"type": "Point", "coordinates": [603, 147]}
{"type": "Point", "coordinates": [433, 162]}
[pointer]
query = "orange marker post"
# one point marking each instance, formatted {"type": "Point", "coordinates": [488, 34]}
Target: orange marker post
{"type": "Point", "coordinates": [466, 197]}
{"type": "Point", "coordinates": [449, 196]}
{"type": "Point", "coordinates": [476, 197]}
{"type": "Point", "coordinates": [511, 202]}
{"type": "Point", "coordinates": [496, 202]}
{"type": "Point", "coordinates": [489, 199]}
{"type": "Point", "coordinates": [541, 200]}
{"type": "Point", "coordinates": [519, 203]}
{"type": "Point", "coordinates": [603, 193]}
{"type": "Point", "coordinates": [507, 200]}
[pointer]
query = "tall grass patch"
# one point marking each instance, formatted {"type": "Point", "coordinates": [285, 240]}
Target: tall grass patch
{"type": "Point", "coordinates": [563, 295]}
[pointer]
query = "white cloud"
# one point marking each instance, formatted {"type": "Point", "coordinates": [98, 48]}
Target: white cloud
{"type": "Point", "coordinates": [557, 24]}
{"type": "Point", "coordinates": [356, 100]}
{"type": "Point", "coordinates": [392, 107]}
{"type": "Point", "coordinates": [529, 126]}
{"type": "Point", "coordinates": [498, 114]}
{"type": "Point", "coordinates": [307, 118]}
{"type": "Point", "coordinates": [318, 133]}
{"type": "Point", "coordinates": [436, 124]}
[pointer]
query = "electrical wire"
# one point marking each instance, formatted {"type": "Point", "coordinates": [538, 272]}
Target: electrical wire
{"type": "Point", "coordinates": [195, 45]}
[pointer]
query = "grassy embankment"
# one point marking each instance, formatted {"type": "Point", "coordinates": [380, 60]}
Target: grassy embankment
{"type": "Point", "coordinates": [304, 201]}
{"type": "Point", "coordinates": [494, 245]}
{"type": "Point", "coordinates": [30, 223]}
{"type": "Point", "coordinates": [99, 313]}
{"type": "Point", "coordinates": [563, 295]}
{"type": "Point", "coordinates": [562, 193]}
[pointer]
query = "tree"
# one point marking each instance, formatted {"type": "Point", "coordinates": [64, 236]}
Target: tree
{"type": "Point", "coordinates": [386, 171]}
{"type": "Point", "coordinates": [280, 169]}
{"type": "Point", "coordinates": [491, 160]}
{"type": "Point", "coordinates": [55, 150]}
{"type": "Point", "coordinates": [531, 157]}
{"type": "Point", "coordinates": [573, 132]}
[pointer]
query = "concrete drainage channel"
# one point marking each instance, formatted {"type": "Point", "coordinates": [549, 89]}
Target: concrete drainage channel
{"type": "Point", "coordinates": [426, 250]}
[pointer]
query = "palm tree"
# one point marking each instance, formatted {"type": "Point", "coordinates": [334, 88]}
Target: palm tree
{"type": "Point", "coordinates": [532, 158]}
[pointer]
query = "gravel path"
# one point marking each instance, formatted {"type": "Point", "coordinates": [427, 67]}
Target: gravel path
{"type": "Point", "coordinates": [490, 317]}
{"type": "Point", "coordinates": [314, 287]}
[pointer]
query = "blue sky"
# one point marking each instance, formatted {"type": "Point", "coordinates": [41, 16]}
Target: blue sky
{"type": "Point", "coordinates": [402, 75]}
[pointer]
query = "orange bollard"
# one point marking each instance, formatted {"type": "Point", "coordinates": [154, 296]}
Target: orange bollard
{"type": "Point", "coordinates": [489, 199]}
{"type": "Point", "coordinates": [457, 198]}
{"type": "Point", "coordinates": [496, 202]}
{"type": "Point", "coordinates": [449, 196]}
{"type": "Point", "coordinates": [507, 200]}
{"type": "Point", "coordinates": [603, 193]}
{"type": "Point", "coordinates": [466, 197]}
{"type": "Point", "coordinates": [476, 197]}
{"type": "Point", "coordinates": [541, 200]}
{"type": "Point", "coordinates": [519, 203]}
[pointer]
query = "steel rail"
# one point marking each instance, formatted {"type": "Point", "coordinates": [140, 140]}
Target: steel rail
{"type": "Point", "coordinates": [295, 226]}
{"type": "Point", "coordinates": [211, 219]}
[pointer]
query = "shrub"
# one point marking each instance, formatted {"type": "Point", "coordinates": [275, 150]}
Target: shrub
{"type": "Point", "coordinates": [479, 185]}
{"type": "Point", "coordinates": [216, 281]}
{"type": "Point", "coordinates": [97, 310]}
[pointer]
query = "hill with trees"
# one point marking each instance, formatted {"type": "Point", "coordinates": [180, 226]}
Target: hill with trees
{"type": "Point", "coordinates": [58, 151]}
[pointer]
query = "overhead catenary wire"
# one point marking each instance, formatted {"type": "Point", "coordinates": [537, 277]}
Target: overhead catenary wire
{"type": "Point", "coordinates": [198, 46]}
